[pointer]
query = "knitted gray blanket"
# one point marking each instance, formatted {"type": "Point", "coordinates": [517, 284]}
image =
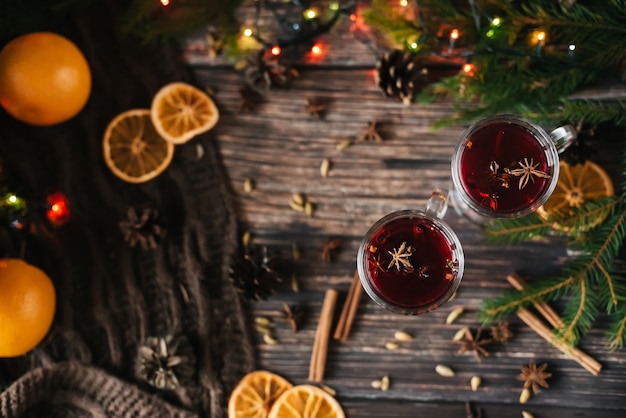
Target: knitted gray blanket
{"type": "Point", "coordinates": [138, 332]}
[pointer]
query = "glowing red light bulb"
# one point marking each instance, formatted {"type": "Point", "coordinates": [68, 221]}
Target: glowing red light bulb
{"type": "Point", "coordinates": [316, 50]}
{"type": "Point", "coordinates": [58, 211]}
{"type": "Point", "coordinates": [275, 50]}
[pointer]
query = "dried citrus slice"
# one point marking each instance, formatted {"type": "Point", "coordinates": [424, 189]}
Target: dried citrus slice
{"type": "Point", "coordinates": [255, 394]}
{"type": "Point", "coordinates": [576, 185]}
{"type": "Point", "coordinates": [181, 111]}
{"type": "Point", "coordinates": [306, 401]}
{"type": "Point", "coordinates": [133, 150]}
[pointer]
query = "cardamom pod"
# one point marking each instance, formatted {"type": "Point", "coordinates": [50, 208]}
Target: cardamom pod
{"type": "Point", "coordinates": [458, 336]}
{"type": "Point", "coordinates": [328, 389]}
{"type": "Point", "coordinates": [269, 340]}
{"type": "Point", "coordinates": [391, 345]}
{"type": "Point", "coordinates": [245, 239]}
{"type": "Point", "coordinates": [444, 371]}
{"type": "Point", "coordinates": [524, 396]}
{"type": "Point", "coordinates": [325, 167]}
{"type": "Point", "coordinates": [526, 414]}
{"type": "Point", "coordinates": [263, 329]}
{"type": "Point", "coordinates": [262, 320]}
{"type": "Point", "coordinates": [296, 206]}
{"type": "Point", "coordinates": [298, 199]}
{"type": "Point", "coordinates": [248, 185]}
{"type": "Point", "coordinates": [384, 383]}
{"type": "Point", "coordinates": [344, 144]}
{"type": "Point", "coordinates": [309, 208]}
{"type": "Point", "coordinates": [295, 285]}
{"type": "Point", "coordinates": [376, 384]}
{"type": "Point", "coordinates": [402, 336]}
{"type": "Point", "coordinates": [295, 252]}
{"type": "Point", "coordinates": [475, 383]}
{"type": "Point", "coordinates": [456, 312]}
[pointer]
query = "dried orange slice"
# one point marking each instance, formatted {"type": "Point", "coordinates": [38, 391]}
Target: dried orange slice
{"type": "Point", "coordinates": [306, 401]}
{"type": "Point", "coordinates": [576, 185]}
{"type": "Point", "coordinates": [133, 150]}
{"type": "Point", "coordinates": [181, 111]}
{"type": "Point", "coordinates": [255, 394]}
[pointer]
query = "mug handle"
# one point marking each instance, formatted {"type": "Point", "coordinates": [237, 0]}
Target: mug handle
{"type": "Point", "coordinates": [563, 137]}
{"type": "Point", "coordinates": [437, 204]}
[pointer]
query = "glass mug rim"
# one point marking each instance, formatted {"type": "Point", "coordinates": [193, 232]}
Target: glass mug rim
{"type": "Point", "coordinates": [547, 143]}
{"type": "Point", "coordinates": [450, 237]}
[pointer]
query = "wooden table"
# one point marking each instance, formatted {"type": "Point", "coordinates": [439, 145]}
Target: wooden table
{"type": "Point", "coordinates": [280, 147]}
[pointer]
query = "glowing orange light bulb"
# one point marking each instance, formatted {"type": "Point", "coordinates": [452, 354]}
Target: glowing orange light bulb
{"type": "Point", "coordinates": [404, 3]}
{"type": "Point", "coordinates": [468, 69]}
{"type": "Point", "coordinates": [275, 50]}
{"type": "Point", "coordinates": [316, 50]}
{"type": "Point", "coordinates": [454, 34]}
{"type": "Point", "coordinates": [165, 2]}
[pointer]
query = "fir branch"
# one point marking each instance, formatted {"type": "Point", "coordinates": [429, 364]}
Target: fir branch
{"type": "Point", "coordinates": [617, 332]}
{"type": "Point", "coordinates": [593, 111]}
{"type": "Point", "coordinates": [503, 305]}
{"type": "Point", "coordinates": [510, 231]}
{"type": "Point", "coordinates": [579, 314]}
{"type": "Point", "coordinates": [579, 220]}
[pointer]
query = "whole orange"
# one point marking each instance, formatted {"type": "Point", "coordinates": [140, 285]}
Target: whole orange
{"type": "Point", "coordinates": [44, 78]}
{"type": "Point", "coordinates": [27, 304]}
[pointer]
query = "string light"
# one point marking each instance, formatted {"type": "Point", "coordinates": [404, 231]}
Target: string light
{"type": "Point", "coordinates": [404, 3]}
{"type": "Point", "coordinates": [333, 6]}
{"type": "Point", "coordinates": [540, 37]}
{"type": "Point", "coordinates": [317, 50]}
{"type": "Point", "coordinates": [58, 211]}
{"type": "Point", "coordinates": [454, 35]}
{"type": "Point", "coordinates": [571, 48]}
{"type": "Point", "coordinates": [165, 2]}
{"type": "Point", "coordinates": [310, 13]}
{"type": "Point", "coordinates": [496, 22]}
{"type": "Point", "coordinates": [247, 32]}
{"type": "Point", "coordinates": [469, 69]}
{"type": "Point", "coordinates": [413, 46]}
{"type": "Point", "coordinates": [275, 50]}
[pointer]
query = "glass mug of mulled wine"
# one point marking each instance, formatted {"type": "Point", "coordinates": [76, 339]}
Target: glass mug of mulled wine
{"type": "Point", "coordinates": [505, 166]}
{"type": "Point", "coordinates": [411, 262]}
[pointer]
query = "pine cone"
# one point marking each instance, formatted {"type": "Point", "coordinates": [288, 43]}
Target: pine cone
{"type": "Point", "coordinates": [265, 70]}
{"type": "Point", "coordinates": [256, 275]}
{"type": "Point", "coordinates": [142, 228]}
{"type": "Point", "coordinates": [166, 362]}
{"type": "Point", "coordinates": [401, 74]}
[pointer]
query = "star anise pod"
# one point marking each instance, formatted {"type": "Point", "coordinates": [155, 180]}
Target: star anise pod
{"type": "Point", "coordinates": [328, 248]}
{"type": "Point", "coordinates": [249, 99]}
{"type": "Point", "coordinates": [371, 134]}
{"type": "Point", "coordinates": [142, 227]}
{"type": "Point", "coordinates": [534, 376]}
{"type": "Point", "coordinates": [315, 108]}
{"type": "Point", "coordinates": [265, 70]}
{"type": "Point", "coordinates": [294, 315]}
{"type": "Point", "coordinates": [501, 332]}
{"type": "Point", "coordinates": [256, 274]}
{"type": "Point", "coordinates": [474, 344]}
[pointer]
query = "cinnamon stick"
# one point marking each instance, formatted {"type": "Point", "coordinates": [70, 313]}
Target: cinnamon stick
{"type": "Point", "coordinates": [544, 309]}
{"type": "Point", "coordinates": [320, 345]}
{"type": "Point", "coordinates": [348, 312]}
{"type": "Point", "coordinates": [589, 363]}
{"type": "Point", "coordinates": [534, 323]}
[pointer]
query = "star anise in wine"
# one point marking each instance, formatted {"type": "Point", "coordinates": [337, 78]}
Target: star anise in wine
{"type": "Point", "coordinates": [371, 134]}
{"type": "Point", "coordinates": [474, 343]}
{"type": "Point", "coordinates": [400, 257]}
{"type": "Point", "coordinates": [294, 315]}
{"type": "Point", "coordinates": [534, 376]}
{"type": "Point", "coordinates": [527, 171]}
{"type": "Point", "coordinates": [501, 332]}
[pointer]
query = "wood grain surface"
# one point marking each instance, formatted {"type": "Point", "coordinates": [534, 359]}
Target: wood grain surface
{"type": "Point", "coordinates": [280, 147]}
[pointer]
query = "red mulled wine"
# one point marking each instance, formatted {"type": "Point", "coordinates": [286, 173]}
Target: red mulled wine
{"type": "Point", "coordinates": [412, 263]}
{"type": "Point", "coordinates": [504, 168]}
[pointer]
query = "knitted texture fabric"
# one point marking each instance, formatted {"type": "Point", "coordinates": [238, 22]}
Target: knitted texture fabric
{"type": "Point", "coordinates": [113, 298]}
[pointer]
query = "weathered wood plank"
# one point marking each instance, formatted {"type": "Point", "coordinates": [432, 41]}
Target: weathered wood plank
{"type": "Point", "coordinates": [280, 147]}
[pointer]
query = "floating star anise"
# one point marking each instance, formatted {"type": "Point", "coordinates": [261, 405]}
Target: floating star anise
{"type": "Point", "coordinates": [474, 344]}
{"type": "Point", "coordinates": [534, 376]}
{"type": "Point", "coordinates": [142, 228]}
{"type": "Point", "coordinates": [315, 108]}
{"type": "Point", "coordinates": [527, 172]}
{"type": "Point", "coordinates": [371, 134]}
{"type": "Point", "coordinates": [501, 332]}
{"type": "Point", "coordinates": [400, 257]}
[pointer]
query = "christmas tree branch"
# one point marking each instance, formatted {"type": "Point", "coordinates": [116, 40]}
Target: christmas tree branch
{"type": "Point", "coordinates": [617, 334]}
